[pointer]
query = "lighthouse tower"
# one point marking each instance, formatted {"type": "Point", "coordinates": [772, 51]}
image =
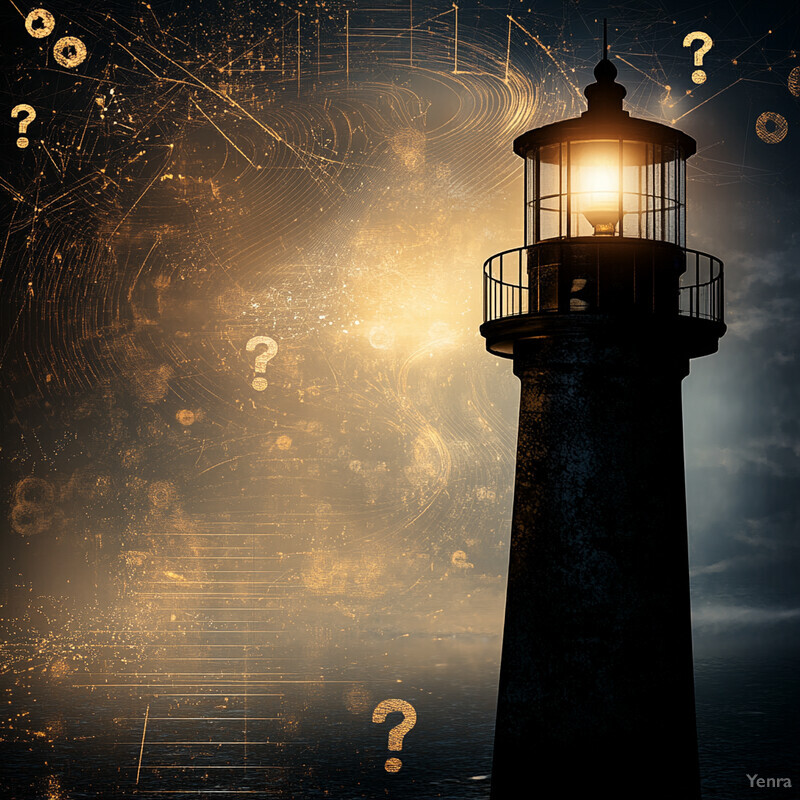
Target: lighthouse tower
{"type": "Point", "coordinates": [600, 313]}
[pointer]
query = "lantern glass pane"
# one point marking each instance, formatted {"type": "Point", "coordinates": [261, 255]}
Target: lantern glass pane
{"type": "Point", "coordinates": [531, 181]}
{"type": "Point", "coordinates": [606, 187]}
{"type": "Point", "coordinates": [545, 196]}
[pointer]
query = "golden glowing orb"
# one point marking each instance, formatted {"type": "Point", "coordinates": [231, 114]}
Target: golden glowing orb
{"type": "Point", "coordinates": [381, 338]}
{"type": "Point", "coordinates": [185, 417]}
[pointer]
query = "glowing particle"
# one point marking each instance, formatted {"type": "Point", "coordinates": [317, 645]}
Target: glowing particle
{"type": "Point", "coordinates": [185, 416]}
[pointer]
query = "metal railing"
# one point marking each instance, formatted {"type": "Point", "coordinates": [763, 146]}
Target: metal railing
{"type": "Point", "coordinates": [702, 287]}
{"type": "Point", "coordinates": [521, 281]}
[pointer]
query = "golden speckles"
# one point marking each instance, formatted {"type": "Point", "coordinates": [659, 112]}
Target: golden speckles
{"type": "Point", "coordinates": [54, 790]}
{"type": "Point", "coordinates": [162, 494]}
{"type": "Point", "coordinates": [32, 512]}
{"type": "Point", "coordinates": [442, 333]}
{"type": "Point", "coordinates": [381, 338]}
{"type": "Point", "coordinates": [88, 485]}
{"type": "Point", "coordinates": [284, 442]}
{"type": "Point", "coordinates": [34, 492]}
{"type": "Point", "coordinates": [55, 727]}
{"type": "Point", "coordinates": [131, 457]}
{"type": "Point", "coordinates": [359, 700]}
{"type": "Point", "coordinates": [60, 668]}
{"type": "Point", "coordinates": [428, 460]}
{"type": "Point", "coordinates": [291, 723]}
{"type": "Point", "coordinates": [362, 575]}
{"type": "Point", "coordinates": [151, 385]}
{"type": "Point", "coordinates": [459, 559]}
{"type": "Point", "coordinates": [134, 558]}
{"type": "Point", "coordinates": [409, 145]}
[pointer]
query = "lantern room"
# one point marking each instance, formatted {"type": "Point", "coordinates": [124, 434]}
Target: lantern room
{"type": "Point", "coordinates": [605, 233]}
{"type": "Point", "coordinates": [605, 173]}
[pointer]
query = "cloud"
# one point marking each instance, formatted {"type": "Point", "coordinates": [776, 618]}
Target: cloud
{"type": "Point", "coordinates": [720, 566]}
{"type": "Point", "coordinates": [728, 616]}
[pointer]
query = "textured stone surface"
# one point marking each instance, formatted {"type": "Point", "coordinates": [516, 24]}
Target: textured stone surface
{"type": "Point", "coordinates": [596, 688]}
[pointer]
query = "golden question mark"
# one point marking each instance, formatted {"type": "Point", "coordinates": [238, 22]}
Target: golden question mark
{"type": "Point", "coordinates": [698, 76]}
{"type": "Point", "coordinates": [30, 116]}
{"type": "Point", "coordinates": [397, 733]}
{"type": "Point", "coordinates": [260, 368]}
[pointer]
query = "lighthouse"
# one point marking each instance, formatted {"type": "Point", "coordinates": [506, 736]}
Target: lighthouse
{"type": "Point", "coordinates": [600, 312]}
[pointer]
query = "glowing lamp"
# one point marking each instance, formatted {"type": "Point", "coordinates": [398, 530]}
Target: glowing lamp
{"type": "Point", "coordinates": [596, 194]}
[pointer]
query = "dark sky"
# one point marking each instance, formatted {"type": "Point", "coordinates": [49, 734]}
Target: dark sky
{"type": "Point", "coordinates": [740, 405]}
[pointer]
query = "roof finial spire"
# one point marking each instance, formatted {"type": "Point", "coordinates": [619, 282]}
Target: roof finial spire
{"type": "Point", "coordinates": [605, 96]}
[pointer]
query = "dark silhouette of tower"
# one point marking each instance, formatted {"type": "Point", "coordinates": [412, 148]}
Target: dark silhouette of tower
{"type": "Point", "coordinates": [601, 311]}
